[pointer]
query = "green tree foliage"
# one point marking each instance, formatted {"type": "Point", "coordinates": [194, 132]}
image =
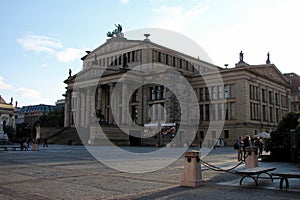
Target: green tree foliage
{"type": "Point", "coordinates": [10, 131]}
{"type": "Point", "coordinates": [280, 142]}
{"type": "Point", "coordinates": [53, 119]}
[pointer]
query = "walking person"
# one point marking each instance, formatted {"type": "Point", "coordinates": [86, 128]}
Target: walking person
{"type": "Point", "coordinates": [240, 145]}
{"type": "Point", "coordinates": [247, 143]}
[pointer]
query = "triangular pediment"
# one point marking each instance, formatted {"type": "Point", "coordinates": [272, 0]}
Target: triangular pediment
{"type": "Point", "coordinates": [269, 71]}
{"type": "Point", "coordinates": [113, 45]}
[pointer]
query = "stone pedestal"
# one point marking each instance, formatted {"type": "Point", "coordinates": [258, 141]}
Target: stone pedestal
{"type": "Point", "coordinates": [192, 170]}
{"type": "Point", "coordinates": [35, 147]}
{"type": "Point", "coordinates": [251, 159]}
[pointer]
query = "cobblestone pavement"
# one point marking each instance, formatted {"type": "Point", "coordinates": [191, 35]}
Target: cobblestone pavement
{"type": "Point", "coordinates": [70, 172]}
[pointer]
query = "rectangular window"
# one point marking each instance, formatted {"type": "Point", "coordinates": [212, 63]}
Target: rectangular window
{"type": "Point", "coordinates": [264, 113]}
{"type": "Point", "coordinates": [226, 91]}
{"type": "Point", "coordinates": [263, 93]}
{"type": "Point", "coordinates": [226, 134]}
{"type": "Point", "coordinates": [219, 92]}
{"type": "Point", "coordinates": [201, 94]}
{"type": "Point", "coordinates": [271, 97]}
{"type": "Point", "coordinates": [201, 113]}
{"type": "Point", "coordinates": [214, 92]}
{"type": "Point", "coordinates": [276, 99]}
{"type": "Point", "coordinates": [207, 94]}
{"type": "Point", "coordinates": [271, 114]}
{"type": "Point", "coordinates": [207, 112]}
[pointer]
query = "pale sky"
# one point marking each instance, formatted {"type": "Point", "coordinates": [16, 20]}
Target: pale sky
{"type": "Point", "coordinates": [41, 40]}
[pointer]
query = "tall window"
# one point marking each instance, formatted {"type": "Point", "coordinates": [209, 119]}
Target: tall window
{"type": "Point", "coordinates": [226, 134]}
{"type": "Point", "coordinates": [207, 112]}
{"type": "Point", "coordinates": [207, 94]}
{"type": "Point", "coordinates": [201, 113]}
{"type": "Point", "coordinates": [263, 93]}
{"type": "Point", "coordinates": [271, 97]}
{"type": "Point", "coordinates": [264, 113]}
{"type": "Point", "coordinates": [219, 92]}
{"type": "Point", "coordinates": [214, 92]}
{"type": "Point", "coordinates": [226, 91]}
{"type": "Point", "coordinates": [201, 94]}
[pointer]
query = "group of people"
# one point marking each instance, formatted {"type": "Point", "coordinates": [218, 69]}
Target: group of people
{"type": "Point", "coordinates": [242, 143]}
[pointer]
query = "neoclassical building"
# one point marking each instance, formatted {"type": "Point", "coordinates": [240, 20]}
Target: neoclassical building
{"type": "Point", "coordinates": [8, 115]}
{"type": "Point", "coordinates": [247, 100]}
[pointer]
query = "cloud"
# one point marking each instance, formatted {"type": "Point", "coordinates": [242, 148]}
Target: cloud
{"type": "Point", "coordinates": [39, 43]}
{"type": "Point", "coordinates": [50, 45]}
{"type": "Point", "coordinates": [124, 1]}
{"type": "Point", "coordinates": [69, 55]}
{"type": "Point", "coordinates": [3, 85]}
{"type": "Point", "coordinates": [29, 93]}
{"type": "Point", "coordinates": [176, 17]}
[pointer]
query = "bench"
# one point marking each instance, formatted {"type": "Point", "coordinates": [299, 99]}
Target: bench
{"type": "Point", "coordinates": [284, 177]}
{"type": "Point", "coordinates": [13, 148]}
{"type": "Point", "coordinates": [4, 148]}
{"type": "Point", "coordinates": [255, 172]}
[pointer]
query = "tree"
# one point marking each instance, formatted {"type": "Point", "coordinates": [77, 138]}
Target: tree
{"type": "Point", "coordinates": [53, 119]}
{"type": "Point", "coordinates": [280, 142]}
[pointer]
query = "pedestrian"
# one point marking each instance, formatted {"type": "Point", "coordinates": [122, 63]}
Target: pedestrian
{"type": "Point", "coordinates": [247, 143]}
{"type": "Point", "coordinates": [240, 144]}
{"type": "Point", "coordinates": [45, 143]}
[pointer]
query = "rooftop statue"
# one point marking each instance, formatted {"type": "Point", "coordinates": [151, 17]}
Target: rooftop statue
{"type": "Point", "coordinates": [241, 56]}
{"type": "Point", "coordinates": [117, 32]}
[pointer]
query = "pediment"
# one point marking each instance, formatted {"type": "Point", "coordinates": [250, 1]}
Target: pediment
{"type": "Point", "coordinates": [113, 45]}
{"type": "Point", "coordinates": [269, 71]}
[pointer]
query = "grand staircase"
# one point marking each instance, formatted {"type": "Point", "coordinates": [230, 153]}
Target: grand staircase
{"type": "Point", "coordinates": [70, 136]}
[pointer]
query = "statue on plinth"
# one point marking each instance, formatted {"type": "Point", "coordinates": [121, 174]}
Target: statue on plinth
{"type": "Point", "coordinates": [241, 56]}
{"type": "Point", "coordinates": [117, 32]}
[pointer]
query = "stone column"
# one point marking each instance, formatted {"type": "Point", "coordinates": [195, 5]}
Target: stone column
{"type": "Point", "coordinates": [68, 108]}
{"type": "Point", "coordinates": [88, 107]}
{"type": "Point", "coordinates": [82, 109]}
{"type": "Point", "coordinates": [99, 98]}
{"type": "Point", "coordinates": [124, 104]}
{"type": "Point", "coordinates": [110, 117]}
{"type": "Point", "coordinates": [74, 106]}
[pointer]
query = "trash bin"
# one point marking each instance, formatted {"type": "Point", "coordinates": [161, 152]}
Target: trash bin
{"type": "Point", "coordinates": [192, 169]}
{"type": "Point", "coordinates": [251, 160]}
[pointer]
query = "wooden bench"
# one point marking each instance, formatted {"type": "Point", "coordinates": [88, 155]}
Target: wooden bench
{"type": "Point", "coordinates": [4, 148]}
{"type": "Point", "coordinates": [284, 177]}
{"type": "Point", "coordinates": [255, 172]}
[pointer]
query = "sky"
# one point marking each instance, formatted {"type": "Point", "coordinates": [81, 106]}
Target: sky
{"type": "Point", "coordinates": [41, 40]}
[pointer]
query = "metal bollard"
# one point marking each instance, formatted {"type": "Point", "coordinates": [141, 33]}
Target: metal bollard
{"type": "Point", "coordinates": [252, 159]}
{"type": "Point", "coordinates": [192, 169]}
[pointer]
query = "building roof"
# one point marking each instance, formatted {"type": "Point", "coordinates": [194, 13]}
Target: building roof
{"type": "Point", "coordinates": [37, 108]}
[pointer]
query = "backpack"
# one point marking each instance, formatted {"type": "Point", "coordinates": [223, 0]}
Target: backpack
{"type": "Point", "coordinates": [236, 146]}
